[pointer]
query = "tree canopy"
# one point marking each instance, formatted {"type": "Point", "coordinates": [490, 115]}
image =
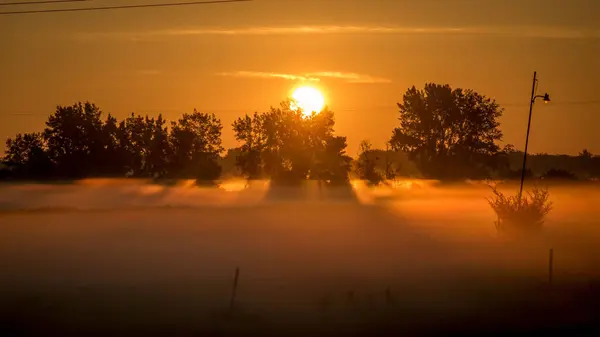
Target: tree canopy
{"type": "Point", "coordinates": [288, 146]}
{"type": "Point", "coordinates": [444, 133]}
{"type": "Point", "coordinates": [78, 143]}
{"type": "Point", "coordinates": [449, 133]}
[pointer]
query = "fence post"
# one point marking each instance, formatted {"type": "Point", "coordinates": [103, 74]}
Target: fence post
{"type": "Point", "coordinates": [550, 266]}
{"type": "Point", "coordinates": [234, 291]}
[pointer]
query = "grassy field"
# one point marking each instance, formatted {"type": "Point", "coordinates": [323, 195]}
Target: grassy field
{"type": "Point", "coordinates": [123, 258]}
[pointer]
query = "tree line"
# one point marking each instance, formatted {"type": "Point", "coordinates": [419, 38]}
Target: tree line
{"type": "Point", "coordinates": [77, 142]}
{"type": "Point", "coordinates": [443, 133]}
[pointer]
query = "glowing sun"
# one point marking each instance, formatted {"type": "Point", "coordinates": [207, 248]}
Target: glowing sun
{"type": "Point", "coordinates": [308, 99]}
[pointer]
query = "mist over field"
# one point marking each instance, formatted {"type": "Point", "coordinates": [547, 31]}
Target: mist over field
{"type": "Point", "coordinates": [135, 254]}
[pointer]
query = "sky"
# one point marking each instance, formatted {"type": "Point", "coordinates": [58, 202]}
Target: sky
{"type": "Point", "coordinates": [232, 59]}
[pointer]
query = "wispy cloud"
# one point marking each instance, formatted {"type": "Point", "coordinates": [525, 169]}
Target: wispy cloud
{"type": "Point", "coordinates": [502, 31]}
{"type": "Point", "coordinates": [351, 77]}
{"type": "Point", "coordinates": [269, 75]}
{"type": "Point", "coordinates": [307, 30]}
{"type": "Point", "coordinates": [314, 77]}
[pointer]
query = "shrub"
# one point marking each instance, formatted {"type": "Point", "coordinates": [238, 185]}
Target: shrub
{"type": "Point", "coordinates": [526, 214]}
{"type": "Point", "coordinates": [559, 174]}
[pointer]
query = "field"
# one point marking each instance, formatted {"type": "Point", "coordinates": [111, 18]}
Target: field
{"type": "Point", "coordinates": [128, 258]}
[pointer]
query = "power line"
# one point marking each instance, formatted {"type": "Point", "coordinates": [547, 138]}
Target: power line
{"type": "Point", "coordinates": [175, 4]}
{"type": "Point", "coordinates": [38, 2]}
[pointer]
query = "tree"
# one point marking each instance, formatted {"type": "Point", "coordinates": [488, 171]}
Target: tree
{"type": "Point", "coordinates": [448, 133]}
{"type": "Point", "coordinates": [586, 160]}
{"type": "Point", "coordinates": [251, 132]}
{"type": "Point", "coordinates": [287, 156]}
{"type": "Point", "coordinates": [196, 145]}
{"type": "Point", "coordinates": [586, 155]}
{"type": "Point", "coordinates": [289, 147]}
{"type": "Point", "coordinates": [333, 164]}
{"type": "Point", "coordinates": [367, 163]}
{"type": "Point", "coordinates": [26, 157]}
{"type": "Point", "coordinates": [114, 158]}
{"type": "Point", "coordinates": [559, 174]}
{"type": "Point", "coordinates": [159, 149]}
{"type": "Point", "coordinates": [74, 139]}
{"type": "Point", "coordinates": [134, 141]}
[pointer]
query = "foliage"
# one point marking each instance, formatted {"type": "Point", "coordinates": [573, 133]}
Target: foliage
{"type": "Point", "coordinates": [520, 214]}
{"type": "Point", "coordinates": [78, 143]}
{"type": "Point", "coordinates": [196, 144]}
{"type": "Point", "coordinates": [389, 164]}
{"type": "Point", "coordinates": [584, 165]}
{"type": "Point", "coordinates": [26, 157]}
{"type": "Point", "coordinates": [366, 165]}
{"type": "Point", "coordinates": [558, 174]}
{"type": "Point", "coordinates": [74, 139]}
{"type": "Point", "coordinates": [250, 130]}
{"type": "Point", "coordinates": [288, 146]}
{"type": "Point", "coordinates": [448, 133]}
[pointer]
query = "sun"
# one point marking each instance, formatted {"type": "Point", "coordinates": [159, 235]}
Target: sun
{"type": "Point", "coordinates": [308, 99]}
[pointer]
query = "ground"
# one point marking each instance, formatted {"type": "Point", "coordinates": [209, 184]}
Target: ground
{"type": "Point", "coordinates": [127, 258]}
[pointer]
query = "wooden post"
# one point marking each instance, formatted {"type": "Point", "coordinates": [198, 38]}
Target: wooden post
{"type": "Point", "coordinates": [234, 291]}
{"type": "Point", "coordinates": [550, 265]}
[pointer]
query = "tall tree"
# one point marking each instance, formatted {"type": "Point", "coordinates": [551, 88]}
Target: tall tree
{"type": "Point", "coordinates": [286, 156]}
{"type": "Point", "coordinates": [74, 138]}
{"type": "Point", "coordinates": [250, 130]}
{"type": "Point", "coordinates": [27, 157]}
{"type": "Point", "coordinates": [289, 146]}
{"type": "Point", "coordinates": [449, 133]}
{"type": "Point", "coordinates": [135, 136]}
{"type": "Point", "coordinates": [196, 144]}
{"type": "Point", "coordinates": [159, 148]}
{"type": "Point", "coordinates": [113, 159]}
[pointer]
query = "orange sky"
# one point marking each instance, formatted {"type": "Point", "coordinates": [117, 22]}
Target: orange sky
{"type": "Point", "coordinates": [237, 58]}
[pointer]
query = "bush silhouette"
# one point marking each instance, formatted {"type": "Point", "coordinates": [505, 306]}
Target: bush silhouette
{"type": "Point", "coordinates": [558, 174]}
{"type": "Point", "coordinates": [525, 214]}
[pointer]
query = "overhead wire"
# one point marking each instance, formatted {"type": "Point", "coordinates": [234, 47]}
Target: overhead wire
{"type": "Point", "coordinates": [87, 9]}
{"type": "Point", "coordinates": [46, 2]}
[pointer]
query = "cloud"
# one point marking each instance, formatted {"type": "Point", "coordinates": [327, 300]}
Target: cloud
{"type": "Point", "coordinates": [305, 30]}
{"type": "Point", "coordinates": [270, 75]}
{"type": "Point", "coordinates": [352, 77]}
{"type": "Point", "coordinates": [500, 31]}
{"type": "Point", "coordinates": [314, 77]}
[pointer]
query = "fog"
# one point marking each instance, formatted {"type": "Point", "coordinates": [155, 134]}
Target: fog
{"type": "Point", "coordinates": [127, 243]}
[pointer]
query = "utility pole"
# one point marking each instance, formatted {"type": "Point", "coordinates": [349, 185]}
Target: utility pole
{"type": "Point", "coordinates": [527, 136]}
{"type": "Point", "coordinates": [546, 99]}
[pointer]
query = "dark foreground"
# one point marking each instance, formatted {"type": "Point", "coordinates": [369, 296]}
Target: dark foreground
{"type": "Point", "coordinates": [163, 311]}
{"type": "Point", "coordinates": [307, 269]}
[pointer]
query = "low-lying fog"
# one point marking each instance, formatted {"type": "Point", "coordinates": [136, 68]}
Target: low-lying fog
{"type": "Point", "coordinates": [293, 244]}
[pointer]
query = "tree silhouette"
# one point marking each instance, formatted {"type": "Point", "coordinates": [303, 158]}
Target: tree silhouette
{"type": "Point", "coordinates": [250, 130]}
{"type": "Point", "coordinates": [114, 159]}
{"type": "Point", "coordinates": [288, 146]}
{"type": "Point", "coordinates": [73, 136]}
{"type": "Point", "coordinates": [366, 165]}
{"type": "Point", "coordinates": [586, 159]}
{"type": "Point", "coordinates": [196, 144]}
{"type": "Point", "coordinates": [559, 174]}
{"type": "Point", "coordinates": [26, 156]}
{"type": "Point", "coordinates": [448, 133]}
{"type": "Point", "coordinates": [78, 143]}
